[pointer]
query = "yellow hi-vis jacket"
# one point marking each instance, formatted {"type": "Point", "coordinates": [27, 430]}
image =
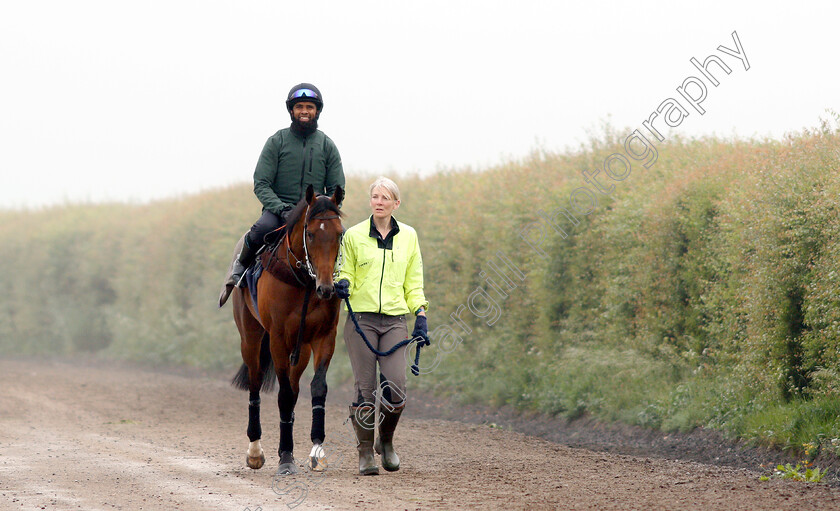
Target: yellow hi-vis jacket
{"type": "Point", "coordinates": [386, 276]}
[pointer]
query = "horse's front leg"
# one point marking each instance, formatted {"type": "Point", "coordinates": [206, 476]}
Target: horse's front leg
{"type": "Point", "coordinates": [254, 355]}
{"type": "Point", "coordinates": [318, 387]}
{"type": "Point", "coordinates": [286, 400]}
{"type": "Point", "coordinates": [256, 456]}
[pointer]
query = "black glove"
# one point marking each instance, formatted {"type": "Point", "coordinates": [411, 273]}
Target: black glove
{"type": "Point", "coordinates": [342, 289]}
{"type": "Point", "coordinates": [421, 330]}
{"type": "Point", "coordinates": [284, 213]}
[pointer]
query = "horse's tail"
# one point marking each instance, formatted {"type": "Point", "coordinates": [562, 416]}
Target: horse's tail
{"type": "Point", "coordinates": [241, 380]}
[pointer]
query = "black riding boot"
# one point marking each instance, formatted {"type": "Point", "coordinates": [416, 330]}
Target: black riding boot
{"type": "Point", "coordinates": [246, 257]}
{"type": "Point", "coordinates": [385, 442]}
{"type": "Point", "coordinates": [364, 433]}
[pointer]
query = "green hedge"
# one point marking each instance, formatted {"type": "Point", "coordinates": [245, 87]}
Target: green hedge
{"type": "Point", "coordinates": [702, 291]}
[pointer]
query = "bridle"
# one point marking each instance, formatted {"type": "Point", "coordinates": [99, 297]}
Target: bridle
{"type": "Point", "coordinates": [339, 260]}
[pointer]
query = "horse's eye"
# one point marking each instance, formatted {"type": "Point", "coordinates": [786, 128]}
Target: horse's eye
{"type": "Point", "coordinates": [310, 235]}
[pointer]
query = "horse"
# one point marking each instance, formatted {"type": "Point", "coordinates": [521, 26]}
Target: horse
{"type": "Point", "coordinates": [290, 325]}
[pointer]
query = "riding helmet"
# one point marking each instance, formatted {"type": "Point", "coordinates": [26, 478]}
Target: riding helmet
{"type": "Point", "coordinates": [305, 92]}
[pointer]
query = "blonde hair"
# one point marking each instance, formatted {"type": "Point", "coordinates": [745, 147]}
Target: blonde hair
{"type": "Point", "coordinates": [387, 184]}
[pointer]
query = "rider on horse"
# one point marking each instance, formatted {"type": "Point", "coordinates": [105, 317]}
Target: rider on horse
{"type": "Point", "coordinates": [292, 159]}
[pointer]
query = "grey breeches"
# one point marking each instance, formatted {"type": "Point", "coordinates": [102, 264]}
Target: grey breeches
{"type": "Point", "coordinates": [384, 332]}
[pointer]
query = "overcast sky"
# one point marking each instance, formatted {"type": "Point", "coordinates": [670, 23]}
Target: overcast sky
{"type": "Point", "coordinates": [132, 101]}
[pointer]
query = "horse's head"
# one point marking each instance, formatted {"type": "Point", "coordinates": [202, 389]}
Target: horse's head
{"type": "Point", "coordinates": [322, 232]}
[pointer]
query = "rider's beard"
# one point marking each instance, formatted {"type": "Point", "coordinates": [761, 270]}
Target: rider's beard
{"type": "Point", "coordinates": [304, 128]}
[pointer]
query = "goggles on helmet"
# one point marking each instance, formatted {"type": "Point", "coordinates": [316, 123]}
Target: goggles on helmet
{"type": "Point", "coordinates": [305, 93]}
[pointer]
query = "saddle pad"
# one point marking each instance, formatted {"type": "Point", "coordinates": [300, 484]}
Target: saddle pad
{"type": "Point", "coordinates": [252, 275]}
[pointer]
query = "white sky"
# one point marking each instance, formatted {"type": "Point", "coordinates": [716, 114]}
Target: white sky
{"type": "Point", "coordinates": [116, 100]}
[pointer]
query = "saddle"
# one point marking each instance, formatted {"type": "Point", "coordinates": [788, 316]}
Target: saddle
{"type": "Point", "coordinates": [266, 258]}
{"type": "Point", "coordinates": [277, 258]}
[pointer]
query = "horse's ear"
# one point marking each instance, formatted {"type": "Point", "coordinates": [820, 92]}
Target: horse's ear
{"type": "Point", "coordinates": [338, 195]}
{"type": "Point", "coordinates": [310, 194]}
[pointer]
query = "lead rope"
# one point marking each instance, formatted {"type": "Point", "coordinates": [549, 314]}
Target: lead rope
{"type": "Point", "coordinates": [415, 368]}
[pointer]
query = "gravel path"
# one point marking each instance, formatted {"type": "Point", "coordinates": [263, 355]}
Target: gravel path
{"type": "Point", "coordinates": [76, 436]}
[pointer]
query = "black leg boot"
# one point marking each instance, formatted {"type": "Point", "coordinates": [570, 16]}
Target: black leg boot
{"type": "Point", "coordinates": [245, 259]}
{"type": "Point", "coordinates": [385, 441]}
{"type": "Point", "coordinates": [364, 434]}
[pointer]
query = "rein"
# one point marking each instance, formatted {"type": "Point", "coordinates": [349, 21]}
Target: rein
{"type": "Point", "coordinates": [298, 264]}
{"type": "Point", "coordinates": [295, 356]}
{"type": "Point", "coordinates": [415, 367]}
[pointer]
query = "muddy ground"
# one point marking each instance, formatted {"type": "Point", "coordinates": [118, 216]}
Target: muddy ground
{"type": "Point", "coordinates": [86, 436]}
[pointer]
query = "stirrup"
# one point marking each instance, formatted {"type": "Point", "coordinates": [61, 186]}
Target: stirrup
{"type": "Point", "coordinates": [240, 280]}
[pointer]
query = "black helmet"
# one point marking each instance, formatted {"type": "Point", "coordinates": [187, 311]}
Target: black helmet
{"type": "Point", "coordinates": [305, 92]}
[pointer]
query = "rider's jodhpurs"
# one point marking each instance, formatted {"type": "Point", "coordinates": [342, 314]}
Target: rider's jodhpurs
{"type": "Point", "coordinates": [384, 332]}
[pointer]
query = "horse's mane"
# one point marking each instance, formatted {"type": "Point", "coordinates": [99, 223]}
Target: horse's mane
{"type": "Point", "coordinates": [321, 204]}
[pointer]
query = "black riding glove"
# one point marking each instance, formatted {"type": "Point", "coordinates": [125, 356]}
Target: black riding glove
{"type": "Point", "coordinates": [342, 289]}
{"type": "Point", "coordinates": [284, 213]}
{"type": "Point", "coordinates": [421, 330]}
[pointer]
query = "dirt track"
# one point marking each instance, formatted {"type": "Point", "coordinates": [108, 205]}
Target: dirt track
{"type": "Point", "coordinates": [75, 437]}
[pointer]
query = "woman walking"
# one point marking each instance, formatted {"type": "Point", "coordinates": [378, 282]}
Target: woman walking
{"type": "Point", "coordinates": [383, 277]}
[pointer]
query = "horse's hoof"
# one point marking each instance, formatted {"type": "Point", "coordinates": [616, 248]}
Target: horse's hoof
{"type": "Point", "coordinates": [287, 469]}
{"type": "Point", "coordinates": [255, 462]}
{"type": "Point", "coordinates": [317, 464]}
{"type": "Point", "coordinates": [317, 460]}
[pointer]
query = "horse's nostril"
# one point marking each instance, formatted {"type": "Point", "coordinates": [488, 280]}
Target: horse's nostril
{"type": "Point", "coordinates": [325, 291]}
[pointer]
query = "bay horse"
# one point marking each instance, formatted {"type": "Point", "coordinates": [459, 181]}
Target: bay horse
{"type": "Point", "coordinates": [289, 324]}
